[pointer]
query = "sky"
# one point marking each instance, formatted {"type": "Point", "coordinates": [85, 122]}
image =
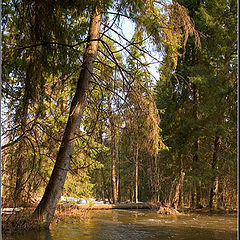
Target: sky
{"type": "Point", "coordinates": [128, 29]}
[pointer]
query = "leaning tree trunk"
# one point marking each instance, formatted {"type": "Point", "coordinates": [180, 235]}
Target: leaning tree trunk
{"type": "Point", "coordinates": [47, 206]}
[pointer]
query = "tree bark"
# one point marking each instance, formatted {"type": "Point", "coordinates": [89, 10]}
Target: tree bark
{"type": "Point", "coordinates": [196, 185]}
{"type": "Point", "coordinates": [178, 190]}
{"type": "Point", "coordinates": [179, 185]}
{"type": "Point", "coordinates": [5, 183]}
{"type": "Point", "coordinates": [47, 206]}
{"type": "Point", "coordinates": [136, 175]}
{"type": "Point", "coordinates": [113, 152]}
{"type": "Point", "coordinates": [213, 192]}
{"type": "Point", "coordinates": [119, 176]}
{"type": "Point", "coordinates": [155, 179]}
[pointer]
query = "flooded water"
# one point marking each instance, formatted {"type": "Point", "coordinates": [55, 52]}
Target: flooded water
{"type": "Point", "coordinates": [139, 225]}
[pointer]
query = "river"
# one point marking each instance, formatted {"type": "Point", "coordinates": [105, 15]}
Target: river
{"type": "Point", "coordinates": [139, 225]}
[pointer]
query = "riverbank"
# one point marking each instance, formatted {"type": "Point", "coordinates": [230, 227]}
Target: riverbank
{"type": "Point", "coordinates": [145, 205]}
{"type": "Point", "coordinates": [18, 219]}
{"type": "Point", "coordinates": [72, 207]}
{"type": "Point", "coordinates": [135, 224]}
{"type": "Point", "coordinates": [96, 206]}
{"type": "Point", "coordinates": [66, 206]}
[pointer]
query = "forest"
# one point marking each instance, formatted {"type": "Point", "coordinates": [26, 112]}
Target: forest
{"type": "Point", "coordinates": [120, 101]}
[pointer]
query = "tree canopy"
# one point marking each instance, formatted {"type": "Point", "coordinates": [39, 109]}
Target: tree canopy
{"type": "Point", "coordinates": [119, 100]}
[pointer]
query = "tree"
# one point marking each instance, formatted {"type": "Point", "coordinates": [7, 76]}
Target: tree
{"type": "Point", "coordinates": [60, 48]}
{"type": "Point", "coordinates": [46, 208]}
{"type": "Point", "coordinates": [196, 118]}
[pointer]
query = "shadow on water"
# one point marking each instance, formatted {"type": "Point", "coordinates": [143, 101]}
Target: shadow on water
{"type": "Point", "coordinates": [30, 235]}
{"type": "Point", "coordinates": [139, 224]}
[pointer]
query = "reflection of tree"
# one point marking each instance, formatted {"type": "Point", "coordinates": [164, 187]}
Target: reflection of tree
{"type": "Point", "coordinates": [47, 235]}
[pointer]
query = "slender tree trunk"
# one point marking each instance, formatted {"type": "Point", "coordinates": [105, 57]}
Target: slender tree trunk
{"type": "Point", "coordinates": [182, 198]}
{"type": "Point", "coordinates": [119, 176]}
{"type": "Point", "coordinates": [20, 163]}
{"type": "Point", "coordinates": [216, 183]}
{"type": "Point", "coordinates": [179, 185]}
{"type": "Point", "coordinates": [101, 170]}
{"type": "Point", "coordinates": [21, 148]}
{"type": "Point", "coordinates": [47, 206]}
{"type": "Point", "coordinates": [114, 188]}
{"type": "Point", "coordinates": [33, 72]}
{"type": "Point", "coordinates": [103, 185]}
{"type": "Point", "coordinates": [153, 182]}
{"type": "Point", "coordinates": [178, 190]}
{"type": "Point", "coordinates": [141, 182]}
{"type": "Point", "coordinates": [192, 197]}
{"type": "Point", "coordinates": [213, 192]}
{"type": "Point", "coordinates": [150, 181]}
{"type": "Point", "coordinates": [136, 175]}
{"type": "Point", "coordinates": [5, 183]}
{"type": "Point", "coordinates": [131, 195]}
{"type": "Point", "coordinates": [196, 188]}
{"type": "Point", "coordinates": [155, 179]}
{"type": "Point", "coordinates": [113, 151]}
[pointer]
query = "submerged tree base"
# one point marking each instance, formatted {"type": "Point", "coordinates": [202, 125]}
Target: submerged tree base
{"type": "Point", "coordinates": [24, 221]}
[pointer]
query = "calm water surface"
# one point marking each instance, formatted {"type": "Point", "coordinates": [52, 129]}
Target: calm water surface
{"type": "Point", "coordinates": [139, 225]}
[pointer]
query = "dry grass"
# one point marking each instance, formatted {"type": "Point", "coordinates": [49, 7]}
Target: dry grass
{"type": "Point", "coordinates": [19, 221]}
{"type": "Point", "coordinates": [66, 211]}
{"type": "Point", "coordinates": [22, 221]}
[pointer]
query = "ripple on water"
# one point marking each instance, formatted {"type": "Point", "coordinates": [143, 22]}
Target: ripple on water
{"type": "Point", "coordinates": [140, 225]}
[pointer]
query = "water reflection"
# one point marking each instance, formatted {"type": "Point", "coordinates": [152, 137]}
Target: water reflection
{"type": "Point", "coordinates": [30, 235]}
{"type": "Point", "coordinates": [140, 224]}
{"type": "Point", "coordinates": [47, 235]}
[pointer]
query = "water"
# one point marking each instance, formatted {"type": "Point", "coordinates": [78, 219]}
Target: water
{"type": "Point", "coordinates": [139, 225]}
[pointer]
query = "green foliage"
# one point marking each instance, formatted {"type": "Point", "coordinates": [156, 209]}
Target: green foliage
{"type": "Point", "coordinates": [210, 69]}
{"type": "Point", "coordinates": [43, 46]}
